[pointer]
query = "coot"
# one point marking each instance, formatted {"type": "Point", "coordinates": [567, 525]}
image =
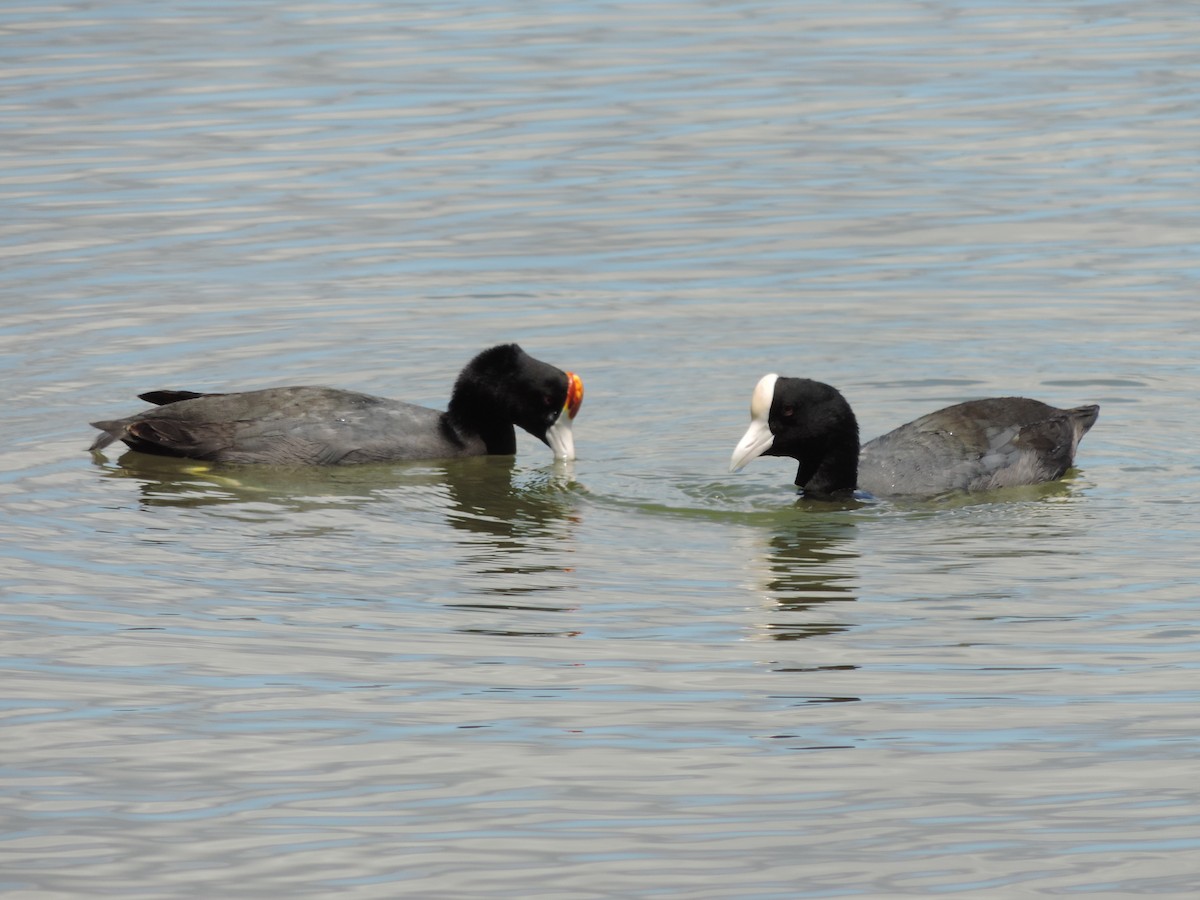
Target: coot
{"type": "Point", "coordinates": [501, 387]}
{"type": "Point", "coordinates": [972, 446]}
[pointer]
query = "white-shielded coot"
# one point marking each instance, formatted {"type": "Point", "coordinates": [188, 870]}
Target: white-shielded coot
{"type": "Point", "coordinates": [974, 446]}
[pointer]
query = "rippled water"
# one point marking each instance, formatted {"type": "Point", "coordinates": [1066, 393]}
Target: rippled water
{"type": "Point", "coordinates": [635, 675]}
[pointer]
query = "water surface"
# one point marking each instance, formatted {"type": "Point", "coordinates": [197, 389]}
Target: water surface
{"type": "Point", "coordinates": [637, 674]}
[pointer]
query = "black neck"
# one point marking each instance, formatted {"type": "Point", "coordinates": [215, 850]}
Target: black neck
{"type": "Point", "coordinates": [500, 438]}
{"type": "Point", "coordinates": [831, 468]}
{"type": "Point", "coordinates": [472, 414]}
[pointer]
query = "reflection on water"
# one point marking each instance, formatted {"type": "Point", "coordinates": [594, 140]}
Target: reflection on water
{"type": "Point", "coordinates": [807, 563]}
{"type": "Point", "coordinates": [515, 536]}
{"type": "Point", "coordinates": [308, 681]}
{"type": "Point", "coordinates": [487, 499]}
{"type": "Point", "coordinates": [165, 481]}
{"type": "Point", "coordinates": [513, 526]}
{"type": "Point", "coordinates": [486, 495]}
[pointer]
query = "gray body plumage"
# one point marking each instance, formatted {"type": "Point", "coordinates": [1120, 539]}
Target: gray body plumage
{"type": "Point", "coordinates": [979, 445]}
{"type": "Point", "coordinates": [501, 389]}
{"type": "Point", "coordinates": [975, 446]}
{"type": "Point", "coordinates": [294, 426]}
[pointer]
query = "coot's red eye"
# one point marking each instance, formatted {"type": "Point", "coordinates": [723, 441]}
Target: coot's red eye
{"type": "Point", "coordinates": [789, 411]}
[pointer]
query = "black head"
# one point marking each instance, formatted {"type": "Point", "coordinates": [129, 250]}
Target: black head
{"type": "Point", "coordinates": [505, 386]}
{"type": "Point", "coordinates": [808, 421]}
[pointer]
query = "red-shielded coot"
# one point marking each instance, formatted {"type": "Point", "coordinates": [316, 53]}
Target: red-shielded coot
{"type": "Point", "coordinates": [501, 387]}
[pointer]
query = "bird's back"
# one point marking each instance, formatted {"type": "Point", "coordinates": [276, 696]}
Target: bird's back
{"type": "Point", "coordinates": [287, 426]}
{"type": "Point", "coordinates": [975, 446]}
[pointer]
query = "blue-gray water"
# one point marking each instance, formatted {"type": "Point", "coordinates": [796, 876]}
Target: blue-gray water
{"type": "Point", "coordinates": [637, 675]}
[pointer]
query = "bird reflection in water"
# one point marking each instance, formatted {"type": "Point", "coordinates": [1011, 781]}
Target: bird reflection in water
{"type": "Point", "coordinates": [510, 527]}
{"type": "Point", "coordinates": [277, 491]}
{"type": "Point", "coordinates": [807, 566]}
{"type": "Point", "coordinates": [807, 573]}
{"type": "Point", "coordinates": [515, 538]}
